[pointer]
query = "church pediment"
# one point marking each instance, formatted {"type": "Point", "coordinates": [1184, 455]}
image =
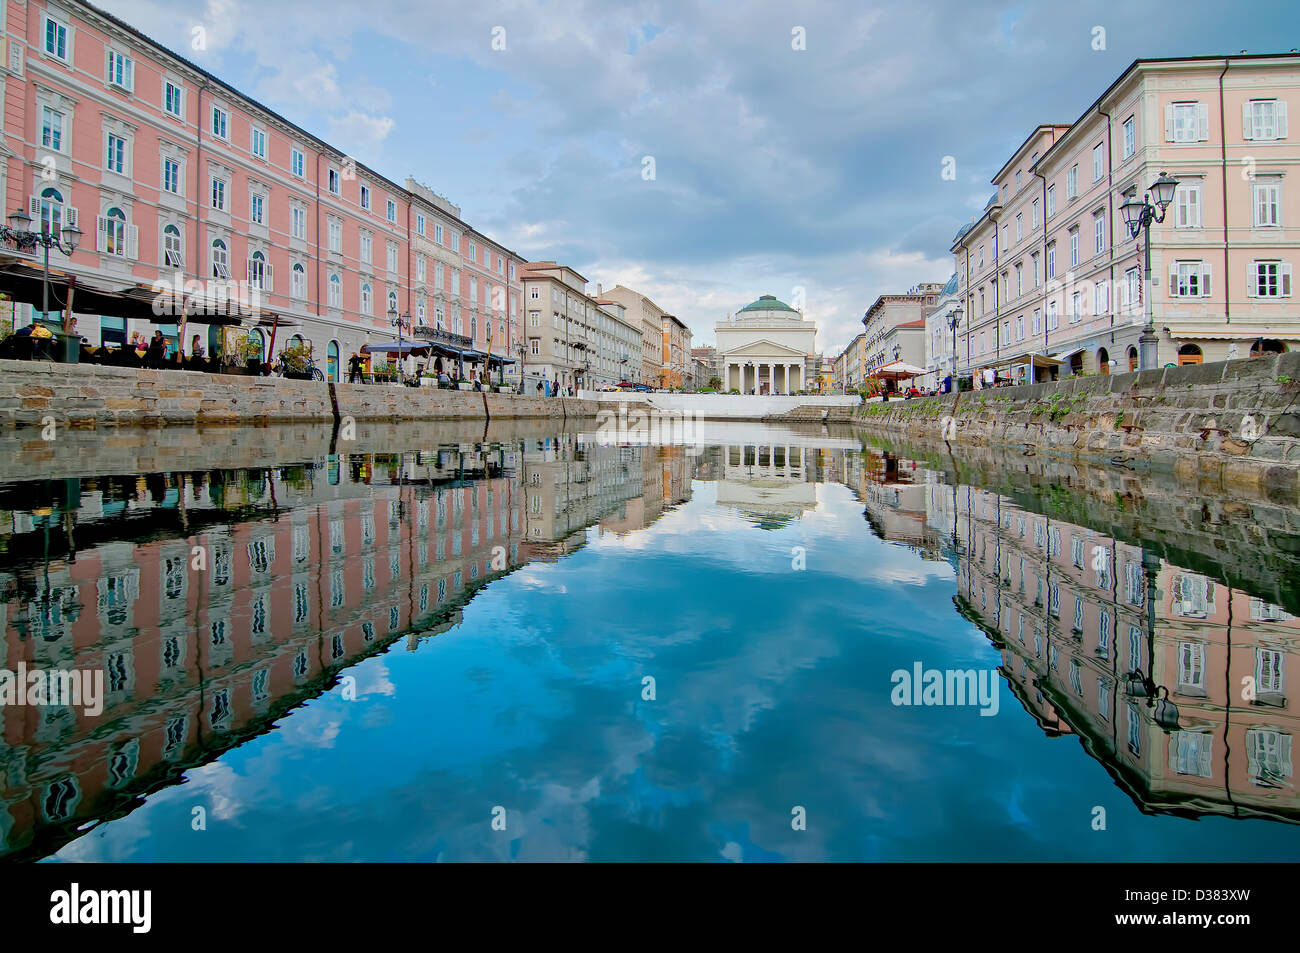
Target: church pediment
{"type": "Point", "coordinates": [765, 348]}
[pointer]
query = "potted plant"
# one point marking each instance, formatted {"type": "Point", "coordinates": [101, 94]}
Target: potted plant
{"type": "Point", "coordinates": [296, 361]}
{"type": "Point", "coordinates": [251, 351]}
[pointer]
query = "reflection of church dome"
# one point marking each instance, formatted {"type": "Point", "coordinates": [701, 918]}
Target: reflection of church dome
{"type": "Point", "coordinates": [767, 303]}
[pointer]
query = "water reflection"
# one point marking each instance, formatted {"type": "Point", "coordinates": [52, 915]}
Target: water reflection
{"type": "Point", "coordinates": [218, 602]}
{"type": "Point", "coordinates": [1175, 681]}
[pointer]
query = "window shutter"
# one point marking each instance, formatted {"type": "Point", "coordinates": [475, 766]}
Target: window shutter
{"type": "Point", "coordinates": [108, 65]}
{"type": "Point", "coordinates": [130, 75]}
{"type": "Point", "coordinates": [1202, 121]}
{"type": "Point", "coordinates": [101, 233]}
{"type": "Point", "coordinates": [270, 273]}
{"type": "Point", "coordinates": [1285, 271]}
{"type": "Point", "coordinates": [1247, 125]}
{"type": "Point", "coordinates": [34, 210]}
{"type": "Point", "coordinates": [1251, 277]}
{"type": "Point", "coordinates": [1205, 279]}
{"type": "Point", "coordinates": [132, 242]}
{"type": "Point", "coordinates": [1169, 123]}
{"type": "Point", "coordinates": [69, 217]}
{"type": "Point", "coordinates": [248, 270]}
{"type": "Point", "coordinates": [1281, 118]}
{"type": "Point", "coordinates": [1173, 279]}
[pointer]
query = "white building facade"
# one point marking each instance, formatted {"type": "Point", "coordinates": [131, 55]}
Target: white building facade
{"type": "Point", "coordinates": [766, 348]}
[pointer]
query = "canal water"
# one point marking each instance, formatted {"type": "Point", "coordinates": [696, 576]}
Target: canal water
{"type": "Point", "coordinates": [769, 645]}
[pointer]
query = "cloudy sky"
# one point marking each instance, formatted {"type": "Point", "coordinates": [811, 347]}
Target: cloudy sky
{"type": "Point", "coordinates": [775, 169]}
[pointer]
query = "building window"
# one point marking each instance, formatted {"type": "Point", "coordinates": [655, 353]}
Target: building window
{"type": "Point", "coordinates": [365, 196]}
{"type": "Point", "coordinates": [1187, 206]}
{"type": "Point", "coordinates": [1072, 182]}
{"type": "Point", "coordinates": [298, 281]}
{"type": "Point", "coordinates": [1264, 119]}
{"type": "Point", "coordinates": [419, 224]}
{"type": "Point", "coordinates": [1074, 247]}
{"type": "Point", "coordinates": [297, 162]}
{"type": "Point", "coordinates": [219, 194]}
{"type": "Point", "coordinates": [173, 99]}
{"type": "Point", "coordinates": [172, 176]}
{"type": "Point", "coordinates": [420, 268]}
{"type": "Point", "coordinates": [1020, 228]}
{"type": "Point", "coordinates": [1051, 201]}
{"type": "Point", "coordinates": [336, 292]}
{"type": "Point", "coordinates": [256, 208]}
{"type": "Point", "coordinates": [1053, 316]}
{"type": "Point", "coordinates": [1100, 298]}
{"type": "Point", "coordinates": [220, 259]}
{"type": "Point", "coordinates": [1186, 122]}
{"type": "Point", "coordinates": [220, 123]}
{"type": "Point", "coordinates": [437, 233]}
{"type": "Point", "coordinates": [259, 272]}
{"type": "Point", "coordinates": [1099, 232]}
{"type": "Point", "coordinates": [56, 38]}
{"type": "Point", "coordinates": [367, 300]}
{"type": "Point", "coordinates": [392, 210]}
{"type": "Point", "coordinates": [298, 221]}
{"type": "Point", "coordinates": [173, 253]}
{"type": "Point", "coordinates": [115, 160]}
{"type": "Point", "coordinates": [1130, 137]}
{"type": "Point", "coordinates": [1098, 162]}
{"type": "Point", "coordinates": [1268, 279]}
{"type": "Point", "coordinates": [51, 129]}
{"type": "Point", "coordinates": [336, 236]}
{"type": "Point", "coordinates": [333, 181]}
{"type": "Point", "coordinates": [366, 246]}
{"type": "Point", "coordinates": [121, 70]}
{"type": "Point", "coordinates": [392, 257]}
{"type": "Point", "coordinates": [258, 144]}
{"type": "Point", "coordinates": [113, 233]}
{"type": "Point", "coordinates": [1189, 279]}
{"type": "Point", "coordinates": [1267, 203]}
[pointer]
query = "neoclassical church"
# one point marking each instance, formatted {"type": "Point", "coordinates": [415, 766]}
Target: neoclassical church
{"type": "Point", "coordinates": [766, 348]}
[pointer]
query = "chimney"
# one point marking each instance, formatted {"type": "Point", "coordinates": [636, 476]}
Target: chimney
{"type": "Point", "coordinates": [599, 290]}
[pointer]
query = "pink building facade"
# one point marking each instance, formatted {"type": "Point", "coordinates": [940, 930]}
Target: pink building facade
{"type": "Point", "coordinates": [1048, 268]}
{"type": "Point", "coordinates": [174, 177]}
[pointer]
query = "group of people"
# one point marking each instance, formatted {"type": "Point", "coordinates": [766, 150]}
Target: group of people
{"type": "Point", "coordinates": [552, 388]}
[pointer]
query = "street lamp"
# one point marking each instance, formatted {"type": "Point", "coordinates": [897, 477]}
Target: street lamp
{"type": "Point", "coordinates": [954, 319]}
{"type": "Point", "coordinates": [396, 321]}
{"type": "Point", "coordinates": [19, 231]}
{"type": "Point", "coordinates": [1139, 215]}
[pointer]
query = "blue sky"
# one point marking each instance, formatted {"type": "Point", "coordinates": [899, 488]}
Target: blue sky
{"type": "Point", "coordinates": [775, 168]}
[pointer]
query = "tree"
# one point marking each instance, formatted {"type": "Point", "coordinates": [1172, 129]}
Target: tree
{"type": "Point", "coordinates": [715, 383]}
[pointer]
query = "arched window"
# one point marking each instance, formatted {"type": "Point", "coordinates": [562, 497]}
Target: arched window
{"type": "Point", "coordinates": [1103, 361]}
{"type": "Point", "coordinates": [473, 328]}
{"type": "Point", "coordinates": [112, 227]}
{"type": "Point", "coordinates": [51, 211]}
{"type": "Point", "coordinates": [298, 279]}
{"type": "Point", "coordinates": [220, 259]}
{"type": "Point", "coordinates": [392, 301]}
{"type": "Point", "coordinates": [255, 335]}
{"type": "Point", "coordinates": [296, 341]}
{"type": "Point", "coordinates": [422, 312]}
{"type": "Point", "coordinates": [173, 253]}
{"type": "Point", "coordinates": [259, 271]}
{"type": "Point", "coordinates": [336, 291]}
{"type": "Point", "coordinates": [367, 302]}
{"type": "Point", "coordinates": [1132, 359]}
{"type": "Point", "coordinates": [1267, 346]}
{"type": "Point", "coordinates": [332, 361]}
{"type": "Point", "coordinates": [1189, 354]}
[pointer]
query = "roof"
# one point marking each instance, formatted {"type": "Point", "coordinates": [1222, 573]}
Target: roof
{"type": "Point", "coordinates": [951, 287]}
{"type": "Point", "coordinates": [767, 303]}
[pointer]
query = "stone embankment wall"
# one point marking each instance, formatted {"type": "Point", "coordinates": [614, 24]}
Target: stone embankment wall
{"type": "Point", "coordinates": [83, 395]}
{"type": "Point", "coordinates": [749, 407]}
{"type": "Point", "coordinates": [1236, 422]}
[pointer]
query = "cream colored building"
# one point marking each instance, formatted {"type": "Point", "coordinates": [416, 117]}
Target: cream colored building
{"type": "Point", "coordinates": [1051, 281]}
{"type": "Point", "coordinates": [639, 307]}
{"type": "Point", "coordinates": [888, 312]}
{"type": "Point", "coordinates": [570, 337]}
{"type": "Point", "coordinates": [766, 348]}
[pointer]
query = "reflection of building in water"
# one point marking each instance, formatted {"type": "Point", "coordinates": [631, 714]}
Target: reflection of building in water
{"type": "Point", "coordinates": [301, 571]}
{"type": "Point", "coordinates": [766, 481]}
{"type": "Point", "coordinates": [893, 492]}
{"type": "Point", "coordinates": [1095, 633]}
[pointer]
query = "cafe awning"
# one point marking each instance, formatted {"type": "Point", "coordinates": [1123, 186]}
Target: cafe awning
{"type": "Point", "coordinates": [897, 371]}
{"type": "Point", "coordinates": [394, 347]}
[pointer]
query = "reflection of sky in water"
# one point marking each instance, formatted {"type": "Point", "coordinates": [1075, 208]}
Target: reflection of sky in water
{"type": "Point", "coordinates": [773, 691]}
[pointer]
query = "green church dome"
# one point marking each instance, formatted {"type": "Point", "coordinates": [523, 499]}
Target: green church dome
{"type": "Point", "coordinates": [767, 303]}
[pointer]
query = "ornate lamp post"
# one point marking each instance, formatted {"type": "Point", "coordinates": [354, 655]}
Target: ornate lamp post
{"type": "Point", "coordinates": [19, 231]}
{"type": "Point", "coordinates": [954, 319]}
{"type": "Point", "coordinates": [397, 321]}
{"type": "Point", "coordinates": [1139, 215]}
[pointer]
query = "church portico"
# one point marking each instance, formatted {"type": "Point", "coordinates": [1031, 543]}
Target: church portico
{"type": "Point", "coordinates": [764, 349]}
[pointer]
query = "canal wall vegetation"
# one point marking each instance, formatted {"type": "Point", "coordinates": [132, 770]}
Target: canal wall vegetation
{"type": "Point", "coordinates": [93, 396]}
{"type": "Point", "coordinates": [742, 407]}
{"type": "Point", "coordinates": [1251, 543]}
{"type": "Point", "coordinates": [1235, 423]}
